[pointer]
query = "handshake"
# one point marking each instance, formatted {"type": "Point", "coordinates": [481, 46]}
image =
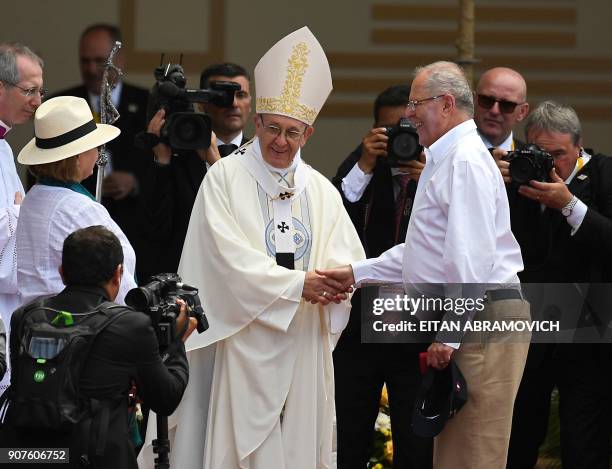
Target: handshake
{"type": "Point", "coordinates": [329, 285]}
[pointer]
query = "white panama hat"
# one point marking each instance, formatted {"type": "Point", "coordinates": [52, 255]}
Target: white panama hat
{"type": "Point", "coordinates": [64, 126]}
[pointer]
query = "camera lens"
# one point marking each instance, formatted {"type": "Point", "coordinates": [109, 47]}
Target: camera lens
{"type": "Point", "coordinates": [189, 130]}
{"type": "Point", "coordinates": [140, 298]}
{"type": "Point", "coordinates": [405, 146]}
{"type": "Point", "coordinates": [522, 170]}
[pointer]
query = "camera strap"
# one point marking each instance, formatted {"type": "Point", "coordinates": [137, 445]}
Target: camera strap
{"type": "Point", "coordinates": [282, 197]}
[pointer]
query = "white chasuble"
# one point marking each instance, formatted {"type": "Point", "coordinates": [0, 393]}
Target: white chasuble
{"type": "Point", "coordinates": [270, 350]}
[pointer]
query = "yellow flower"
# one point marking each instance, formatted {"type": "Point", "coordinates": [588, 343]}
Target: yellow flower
{"type": "Point", "coordinates": [378, 466]}
{"type": "Point", "coordinates": [388, 450]}
{"type": "Point", "coordinates": [384, 398]}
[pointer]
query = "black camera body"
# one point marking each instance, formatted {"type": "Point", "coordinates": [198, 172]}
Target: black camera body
{"type": "Point", "coordinates": [531, 163]}
{"type": "Point", "coordinates": [185, 129]}
{"type": "Point", "coordinates": [403, 145]}
{"type": "Point", "coordinates": [158, 298]}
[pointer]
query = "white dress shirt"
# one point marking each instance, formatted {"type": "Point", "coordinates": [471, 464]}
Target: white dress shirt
{"type": "Point", "coordinates": [459, 229]}
{"type": "Point", "coordinates": [356, 181]}
{"type": "Point", "coordinates": [48, 215]}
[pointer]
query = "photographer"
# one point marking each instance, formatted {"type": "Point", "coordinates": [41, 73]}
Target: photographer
{"type": "Point", "coordinates": [124, 352]}
{"type": "Point", "coordinates": [378, 199]}
{"type": "Point", "coordinates": [564, 228]}
{"type": "Point", "coordinates": [172, 183]}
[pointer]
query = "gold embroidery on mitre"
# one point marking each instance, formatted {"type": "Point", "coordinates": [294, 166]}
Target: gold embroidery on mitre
{"type": "Point", "coordinates": [288, 103]}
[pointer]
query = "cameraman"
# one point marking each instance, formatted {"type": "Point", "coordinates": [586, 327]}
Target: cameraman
{"type": "Point", "coordinates": [173, 181]}
{"type": "Point", "coordinates": [123, 353]}
{"type": "Point", "coordinates": [564, 229]}
{"type": "Point", "coordinates": [378, 199]}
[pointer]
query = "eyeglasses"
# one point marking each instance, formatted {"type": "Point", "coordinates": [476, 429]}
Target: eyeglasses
{"type": "Point", "coordinates": [488, 102]}
{"type": "Point", "coordinates": [28, 92]}
{"type": "Point", "coordinates": [275, 131]}
{"type": "Point", "coordinates": [415, 102]}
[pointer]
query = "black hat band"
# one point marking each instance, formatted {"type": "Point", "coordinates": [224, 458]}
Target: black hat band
{"type": "Point", "coordinates": [63, 139]}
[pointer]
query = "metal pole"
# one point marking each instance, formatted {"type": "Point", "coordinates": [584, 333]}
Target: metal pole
{"type": "Point", "coordinates": [108, 112]}
{"type": "Point", "coordinates": [465, 43]}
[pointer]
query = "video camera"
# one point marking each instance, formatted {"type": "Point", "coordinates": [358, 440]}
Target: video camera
{"type": "Point", "coordinates": [531, 163]}
{"type": "Point", "coordinates": [158, 300]}
{"type": "Point", "coordinates": [185, 129]}
{"type": "Point", "coordinates": [403, 145]}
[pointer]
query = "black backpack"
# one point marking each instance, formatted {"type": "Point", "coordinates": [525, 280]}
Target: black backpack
{"type": "Point", "coordinates": [46, 365]}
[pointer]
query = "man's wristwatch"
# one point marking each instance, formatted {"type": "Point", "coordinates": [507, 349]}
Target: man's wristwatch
{"type": "Point", "coordinates": [567, 210]}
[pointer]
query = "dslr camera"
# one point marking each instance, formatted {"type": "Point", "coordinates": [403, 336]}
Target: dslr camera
{"type": "Point", "coordinates": [158, 300]}
{"type": "Point", "coordinates": [531, 163]}
{"type": "Point", "coordinates": [403, 145]}
{"type": "Point", "coordinates": [185, 129]}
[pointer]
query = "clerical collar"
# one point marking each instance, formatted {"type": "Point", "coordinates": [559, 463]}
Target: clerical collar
{"type": "Point", "coordinates": [507, 144]}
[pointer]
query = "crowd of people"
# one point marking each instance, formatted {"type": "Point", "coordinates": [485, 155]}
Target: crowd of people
{"type": "Point", "coordinates": [280, 255]}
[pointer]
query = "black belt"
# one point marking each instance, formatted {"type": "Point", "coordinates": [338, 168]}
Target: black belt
{"type": "Point", "coordinates": [504, 294]}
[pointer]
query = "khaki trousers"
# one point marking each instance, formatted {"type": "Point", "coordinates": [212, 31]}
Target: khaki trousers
{"type": "Point", "coordinates": [492, 364]}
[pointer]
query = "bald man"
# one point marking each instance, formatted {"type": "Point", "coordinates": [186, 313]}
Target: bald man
{"type": "Point", "coordinates": [500, 103]}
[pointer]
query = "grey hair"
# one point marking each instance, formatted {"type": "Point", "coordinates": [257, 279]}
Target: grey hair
{"type": "Point", "coordinates": [554, 117]}
{"type": "Point", "coordinates": [9, 73]}
{"type": "Point", "coordinates": [448, 78]}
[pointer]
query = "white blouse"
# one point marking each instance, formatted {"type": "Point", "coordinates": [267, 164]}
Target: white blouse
{"type": "Point", "coordinates": [48, 215]}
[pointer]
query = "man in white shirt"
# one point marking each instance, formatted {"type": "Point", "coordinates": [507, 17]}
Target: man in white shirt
{"type": "Point", "coordinates": [378, 198]}
{"type": "Point", "coordinates": [459, 233]}
{"type": "Point", "coordinates": [21, 80]}
{"type": "Point", "coordinates": [500, 103]}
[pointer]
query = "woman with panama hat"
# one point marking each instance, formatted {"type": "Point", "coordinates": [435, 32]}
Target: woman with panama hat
{"type": "Point", "coordinates": [62, 154]}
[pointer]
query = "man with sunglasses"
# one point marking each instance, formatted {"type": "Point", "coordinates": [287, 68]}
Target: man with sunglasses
{"type": "Point", "coordinates": [500, 103]}
{"type": "Point", "coordinates": [21, 92]}
{"type": "Point", "coordinates": [564, 228]}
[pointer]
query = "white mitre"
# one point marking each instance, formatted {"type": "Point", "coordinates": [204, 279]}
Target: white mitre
{"type": "Point", "coordinates": [293, 78]}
